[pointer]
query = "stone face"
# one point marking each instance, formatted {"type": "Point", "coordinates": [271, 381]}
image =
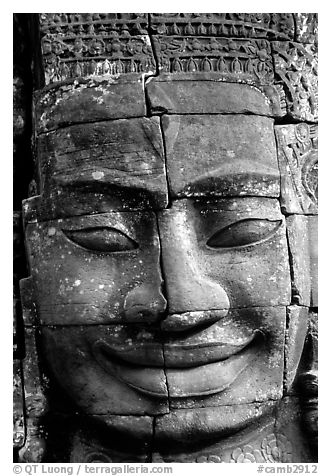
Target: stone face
{"type": "Point", "coordinates": [253, 341]}
{"type": "Point", "coordinates": [211, 97]}
{"type": "Point", "coordinates": [297, 155]}
{"type": "Point", "coordinates": [302, 237]}
{"type": "Point", "coordinates": [81, 360]}
{"type": "Point", "coordinates": [103, 166]}
{"type": "Point", "coordinates": [221, 253]}
{"type": "Point", "coordinates": [96, 99]}
{"type": "Point", "coordinates": [221, 155]}
{"type": "Point", "coordinates": [171, 235]}
{"type": "Point", "coordinates": [97, 269]}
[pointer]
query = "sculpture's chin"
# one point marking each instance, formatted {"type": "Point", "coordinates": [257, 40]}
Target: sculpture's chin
{"type": "Point", "coordinates": [206, 424]}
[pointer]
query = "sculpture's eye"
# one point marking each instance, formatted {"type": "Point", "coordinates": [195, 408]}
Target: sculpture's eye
{"type": "Point", "coordinates": [243, 233]}
{"type": "Point", "coordinates": [106, 239]}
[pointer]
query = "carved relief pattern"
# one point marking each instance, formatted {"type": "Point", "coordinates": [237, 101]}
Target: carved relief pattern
{"type": "Point", "coordinates": [272, 449]}
{"type": "Point", "coordinates": [243, 25]}
{"type": "Point", "coordinates": [299, 167]}
{"type": "Point", "coordinates": [245, 60]}
{"type": "Point", "coordinates": [75, 45]}
{"type": "Point", "coordinates": [296, 68]}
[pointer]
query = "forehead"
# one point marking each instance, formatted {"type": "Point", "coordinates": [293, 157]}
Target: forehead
{"type": "Point", "coordinates": [218, 141]}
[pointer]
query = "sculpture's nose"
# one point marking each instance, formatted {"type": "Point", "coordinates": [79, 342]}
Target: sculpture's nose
{"type": "Point", "coordinates": [144, 303]}
{"type": "Point", "coordinates": [188, 285]}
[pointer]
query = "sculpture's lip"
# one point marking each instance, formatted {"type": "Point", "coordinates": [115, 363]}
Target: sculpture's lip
{"type": "Point", "coordinates": [172, 354]}
{"type": "Point", "coordinates": [183, 381]}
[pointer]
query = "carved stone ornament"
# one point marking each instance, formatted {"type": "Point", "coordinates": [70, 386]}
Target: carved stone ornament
{"type": "Point", "coordinates": [167, 307]}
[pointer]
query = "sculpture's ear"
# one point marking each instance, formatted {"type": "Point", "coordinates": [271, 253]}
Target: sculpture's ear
{"type": "Point", "coordinates": [32, 383]}
{"type": "Point", "coordinates": [308, 382]}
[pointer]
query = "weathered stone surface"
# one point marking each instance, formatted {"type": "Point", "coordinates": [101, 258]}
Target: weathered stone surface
{"type": "Point", "coordinates": [221, 155]}
{"type": "Point", "coordinates": [222, 253]}
{"type": "Point", "coordinates": [97, 269]}
{"type": "Point", "coordinates": [297, 155]}
{"type": "Point", "coordinates": [296, 69]}
{"type": "Point", "coordinates": [302, 238]}
{"type": "Point", "coordinates": [165, 93]}
{"type": "Point", "coordinates": [296, 330]}
{"type": "Point", "coordinates": [88, 100]}
{"type": "Point", "coordinates": [103, 166]}
{"type": "Point", "coordinates": [243, 358]}
{"type": "Point", "coordinates": [306, 25]}
{"type": "Point", "coordinates": [81, 360]}
{"type": "Point", "coordinates": [18, 411]}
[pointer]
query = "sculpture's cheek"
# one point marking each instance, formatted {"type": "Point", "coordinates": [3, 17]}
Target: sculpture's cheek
{"type": "Point", "coordinates": [75, 285]}
{"type": "Point", "coordinates": [69, 354]}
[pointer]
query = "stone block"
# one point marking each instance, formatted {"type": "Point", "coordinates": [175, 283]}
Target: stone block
{"type": "Point", "coordinates": [312, 224]}
{"type": "Point", "coordinates": [224, 253]}
{"type": "Point", "coordinates": [166, 94]}
{"type": "Point", "coordinates": [297, 155]}
{"type": "Point", "coordinates": [221, 155]}
{"type": "Point", "coordinates": [302, 238]}
{"type": "Point", "coordinates": [88, 100]}
{"type": "Point", "coordinates": [97, 269]}
{"type": "Point", "coordinates": [87, 363]}
{"type": "Point", "coordinates": [91, 168]}
{"type": "Point", "coordinates": [237, 360]}
{"type": "Point", "coordinates": [296, 331]}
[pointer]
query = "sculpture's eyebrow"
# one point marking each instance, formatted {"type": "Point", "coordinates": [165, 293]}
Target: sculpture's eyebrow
{"type": "Point", "coordinates": [109, 181]}
{"type": "Point", "coordinates": [222, 181]}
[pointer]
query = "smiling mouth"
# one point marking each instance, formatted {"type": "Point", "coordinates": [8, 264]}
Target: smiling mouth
{"type": "Point", "coordinates": [178, 370]}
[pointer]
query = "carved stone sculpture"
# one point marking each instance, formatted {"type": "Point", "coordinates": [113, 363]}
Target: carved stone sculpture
{"type": "Point", "coordinates": [170, 308]}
